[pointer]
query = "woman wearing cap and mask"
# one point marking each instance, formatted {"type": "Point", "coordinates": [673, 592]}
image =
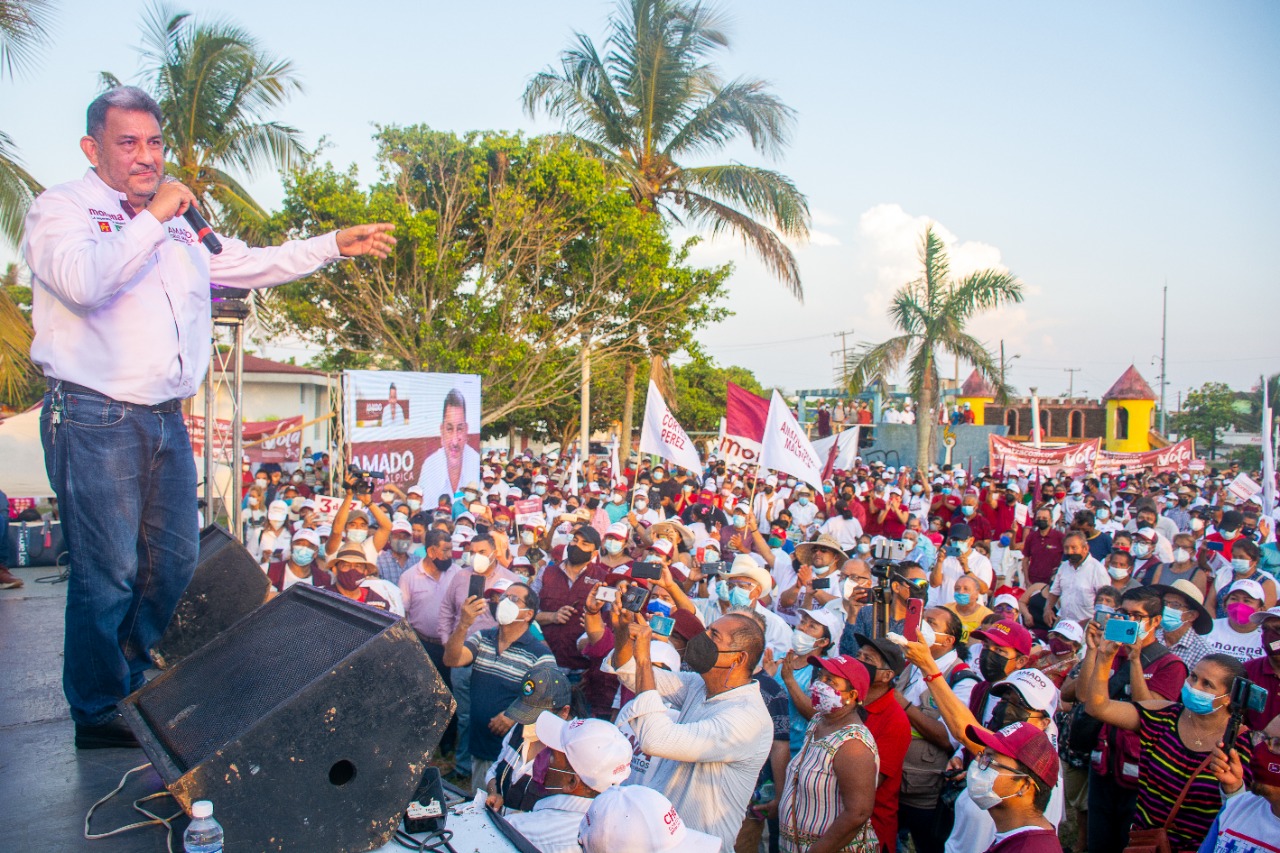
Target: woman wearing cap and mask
{"type": "Point", "coordinates": [827, 801]}
{"type": "Point", "coordinates": [1243, 565]}
{"type": "Point", "coordinates": [1177, 743]}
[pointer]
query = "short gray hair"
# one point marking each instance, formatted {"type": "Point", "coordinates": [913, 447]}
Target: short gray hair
{"type": "Point", "coordinates": [122, 98]}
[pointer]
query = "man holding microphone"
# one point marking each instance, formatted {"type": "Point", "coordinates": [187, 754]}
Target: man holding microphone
{"type": "Point", "coordinates": [121, 309]}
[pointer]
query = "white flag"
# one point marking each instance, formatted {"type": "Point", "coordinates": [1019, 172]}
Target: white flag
{"type": "Point", "coordinates": [615, 467]}
{"type": "Point", "coordinates": [573, 475]}
{"type": "Point", "coordinates": [785, 448]}
{"type": "Point", "coordinates": [663, 436]}
{"type": "Point", "coordinates": [838, 451]}
{"type": "Point", "coordinates": [1268, 455]}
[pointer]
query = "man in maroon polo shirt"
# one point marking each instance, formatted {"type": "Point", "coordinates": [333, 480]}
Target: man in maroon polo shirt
{"type": "Point", "coordinates": [1265, 671]}
{"type": "Point", "coordinates": [889, 725]}
{"type": "Point", "coordinates": [562, 590]}
{"type": "Point", "coordinates": [1041, 550]}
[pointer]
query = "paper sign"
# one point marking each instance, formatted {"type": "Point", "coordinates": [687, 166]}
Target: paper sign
{"type": "Point", "coordinates": [327, 506]}
{"type": "Point", "coordinates": [1243, 488]}
{"type": "Point", "coordinates": [527, 511]}
{"type": "Point", "coordinates": [1020, 514]}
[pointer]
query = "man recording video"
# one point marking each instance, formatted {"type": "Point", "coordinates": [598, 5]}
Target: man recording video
{"type": "Point", "coordinates": [121, 309]}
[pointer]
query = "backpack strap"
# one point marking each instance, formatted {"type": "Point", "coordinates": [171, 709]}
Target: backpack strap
{"type": "Point", "coordinates": [1186, 790]}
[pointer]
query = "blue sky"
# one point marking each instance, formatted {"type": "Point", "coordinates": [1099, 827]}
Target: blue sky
{"type": "Point", "coordinates": [1094, 149]}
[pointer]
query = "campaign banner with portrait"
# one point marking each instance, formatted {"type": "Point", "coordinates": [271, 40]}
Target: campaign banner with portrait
{"type": "Point", "coordinates": [414, 428]}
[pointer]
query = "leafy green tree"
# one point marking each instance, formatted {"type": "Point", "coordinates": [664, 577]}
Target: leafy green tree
{"type": "Point", "coordinates": [1207, 412]}
{"type": "Point", "coordinates": [24, 29]}
{"type": "Point", "coordinates": [511, 252]}
{"type": "Point", "coordinates": [217, 87]}
{"type": "Point", "coordinates": [652, 98]}
{"type": "Point", "coordinates": [931, 314]}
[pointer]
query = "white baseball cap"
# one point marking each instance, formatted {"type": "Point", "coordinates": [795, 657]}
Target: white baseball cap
{"type": "Point", "coordinates": [1068, 629]}
{"type": "Point", "coordinates": [636, 819]}
{"type": "Point", "coordinates": [1252, 587]}
{"type": "Point", "coordinates": [1005, 598]}
{"type": "Point", "coordinates": [277, 511]}
{"type": "Point", "coordinates": [830, 619]}
{"type": "Point", "coordinates": [1035, 687]}
{"type": "Point", "coordinates": [305, 534]}
{"type": "Point", "coordinates": [598, 751]}
{"type": "Point", "coordinates": [401, 526]}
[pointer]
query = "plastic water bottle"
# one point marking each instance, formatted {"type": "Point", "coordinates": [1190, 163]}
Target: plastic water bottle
{"type": "Point", "coordinates": [204, 834]}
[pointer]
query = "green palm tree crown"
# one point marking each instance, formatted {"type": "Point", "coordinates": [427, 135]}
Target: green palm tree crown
{"type": "Point", "coordinates": [24, 28]}
{"type": "Point", "coordinates": [931, 313]}
{"type": "Point", "coordinates": [651, 99]}
{"type": "Point", "coordinates": [216, 87]}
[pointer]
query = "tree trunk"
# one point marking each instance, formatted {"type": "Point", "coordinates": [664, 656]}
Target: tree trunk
{"type": "Point", "coordinates": [628, 406]}
{"type": "Point", "coordinates": [585, 429]}
{"type": "Point", "coordinates": [925, 416]}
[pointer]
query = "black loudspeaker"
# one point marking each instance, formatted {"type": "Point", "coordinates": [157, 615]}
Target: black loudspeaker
{"type": "Point", "coordinates": [227, 586]}
{"type": "Point", "coordinates": [308, 726]}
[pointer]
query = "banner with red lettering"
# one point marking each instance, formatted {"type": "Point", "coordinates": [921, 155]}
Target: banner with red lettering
{"type": "Point", "coordinates": [1077, 460]}
{"type": "Point", "coordinates": [785, 448]}
{"type": "Point", "coordinates": [663, 436]}
{"type": "Point", "coordinates": [265, 441]}
{"type": "Point", "coordinates": [414, 428]}
{"type": "Point", "coordinates": [745, 415]}
{"type": "Point", "coordinates": [1176, 457]}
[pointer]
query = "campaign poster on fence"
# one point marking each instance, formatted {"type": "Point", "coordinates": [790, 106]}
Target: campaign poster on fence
{"type": "Point", "coordinates": [415, 428]}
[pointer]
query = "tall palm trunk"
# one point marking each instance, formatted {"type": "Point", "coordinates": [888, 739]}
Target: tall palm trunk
{"type": "Point", "coordinates": [924, 423]}
{"type": "Point", "coordinates": [628, 406]}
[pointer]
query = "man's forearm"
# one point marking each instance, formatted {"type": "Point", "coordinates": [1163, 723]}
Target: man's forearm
{"type": "Point", "coordinates": [453, 650]}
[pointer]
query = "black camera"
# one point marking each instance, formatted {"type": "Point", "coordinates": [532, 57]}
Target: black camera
{"type": "Point", "coordinates": [362, 481]}
{"type": "Point", "coordinates": [1245, 696]}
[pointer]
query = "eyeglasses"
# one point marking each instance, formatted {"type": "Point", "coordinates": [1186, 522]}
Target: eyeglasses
{"type": "Point", "coordinates": [1261, 739]}
{"type": "Point", "coordinates": [1134, 614]}
{"type": "Point", "coordinates": [741, 584]}
{"type": "Point", "coordinates": [988, 759]}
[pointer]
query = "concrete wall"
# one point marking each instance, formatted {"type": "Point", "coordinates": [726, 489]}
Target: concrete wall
{"type": "Point", "coordinates": [895, 444]}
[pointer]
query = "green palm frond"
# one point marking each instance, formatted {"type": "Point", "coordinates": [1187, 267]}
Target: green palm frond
{"type": "Point", "coordinates": [17, 372]}
{"type": "Point", "coordinates": [870, 364]}
{"type": "Point", "coordinates": [720, 218]}
{"type": "Point", "coordinates": [24, 30]}
{"type": "Point", "coordinates": [651, 94]}
{"type": "Point", "coordinates": [17, 190]}
{"type": "Point", "coordinates": [982, 291]}
{"type": "Point", "coordinates": [762, 193]}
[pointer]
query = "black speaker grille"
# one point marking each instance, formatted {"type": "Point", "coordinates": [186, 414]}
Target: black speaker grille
{"type": "Point", "coordinates": [269, 661]}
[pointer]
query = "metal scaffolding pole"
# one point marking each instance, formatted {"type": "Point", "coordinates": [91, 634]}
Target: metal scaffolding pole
{"type": "Point", "coordinates": [226, 370]}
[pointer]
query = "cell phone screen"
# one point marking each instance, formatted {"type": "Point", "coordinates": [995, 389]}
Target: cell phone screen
{"type": "Point", "coordinates": [475, 586]}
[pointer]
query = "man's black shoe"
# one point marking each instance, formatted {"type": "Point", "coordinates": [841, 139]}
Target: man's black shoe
{"type": "Point", "coordinates": [110, 735]}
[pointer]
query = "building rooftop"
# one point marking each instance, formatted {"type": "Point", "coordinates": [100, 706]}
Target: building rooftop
{"type": "Point", "coordinates": [1130, 386]}
{"type": "Point", "coordinates": [977, 386]}
{"type": "Point", "coordinates": [255, 364]}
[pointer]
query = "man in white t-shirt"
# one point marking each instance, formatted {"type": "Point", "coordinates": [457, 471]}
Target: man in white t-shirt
{"type": "Point", "coordinates": [804, 512]}
{"type": "Point", "coordinates": [1076, 581]}
{"type": "Point", "coordinates": [961, 560]}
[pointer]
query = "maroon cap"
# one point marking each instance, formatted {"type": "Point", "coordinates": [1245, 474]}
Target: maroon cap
{"type": "Point", "coordinates": [847, 667]}
{"type": "Point", "coordinates": [1026, 744]}
{"type": "Point", "coordinates": [1011, 635]}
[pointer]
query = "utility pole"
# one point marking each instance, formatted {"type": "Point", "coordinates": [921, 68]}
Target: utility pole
{"type": "Point", "coordinates": [1071, 387]}
{"type": "Point", "coordinates": [1164, 376]}
{"type": "Point", "coordinates": [844, 352]}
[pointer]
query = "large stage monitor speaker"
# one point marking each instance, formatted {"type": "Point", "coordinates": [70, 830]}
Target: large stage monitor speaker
{"type": "Point", "coordinates": [227, 586]}
{"type": "Point", "coordinates": [308, 727]}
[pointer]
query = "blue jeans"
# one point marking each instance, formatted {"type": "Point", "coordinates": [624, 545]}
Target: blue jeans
{"type": "Point", "coordinates": [461, 678]}
{"type": "Point", "coordinates": [126, 486]}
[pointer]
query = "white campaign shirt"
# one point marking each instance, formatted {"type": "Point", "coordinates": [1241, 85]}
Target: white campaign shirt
{"type": "Point", "coordinates": [844, 530]}
{"type": "Point", "coordinates": [552, 826]}
{"type": "Point", "coordinates": [951, 572]}
{"type": "Point", "coordinates": [1075, 588]}
{"type": "Point", "coordinates": [122, 305]}
{"type": "Point", "coordinates": [1222, 639]}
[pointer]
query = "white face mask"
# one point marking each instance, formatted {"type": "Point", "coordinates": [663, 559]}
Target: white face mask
{"type": "Point", "coordinates": [801, 643]}
{"type": "Point", "coordinates": [613, 546]}
{"type": "Point", "coordinates": [527, 537]}
{"type": "Point", "coordinates": [1181, 555]}
{"type": "Point", "coordinates": [508, 611]}
{"type": "Point", "coordinates": [640, 506]}
{"type": "Point", "coordinates": [480, 563]}
{"type": "Point", "coordinates": [982, 784]}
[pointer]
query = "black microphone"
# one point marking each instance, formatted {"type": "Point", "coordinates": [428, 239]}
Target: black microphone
{"type": "Point", "coordinates": [203, 232]}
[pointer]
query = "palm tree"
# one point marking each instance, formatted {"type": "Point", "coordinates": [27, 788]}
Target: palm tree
{"type": "Point", "coordinates": [24, 28]}
{"type": "Point", "coordinates": [216, 86]}
{"type": "Point", "coordinates": [650, 100]}
{"type": "Point", "coordinates": [931, 313]}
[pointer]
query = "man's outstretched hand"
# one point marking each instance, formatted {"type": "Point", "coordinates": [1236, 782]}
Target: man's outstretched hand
{"type": "Point", "coordinates": [371, 239]}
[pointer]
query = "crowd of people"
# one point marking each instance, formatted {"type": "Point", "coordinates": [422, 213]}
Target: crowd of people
{"type": "Point", "coordinates": [665, 659]}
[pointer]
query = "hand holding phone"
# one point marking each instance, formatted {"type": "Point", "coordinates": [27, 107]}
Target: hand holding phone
{"type": "Point", "coordinates": [915, 612]}
{"type": "Point", "coordinates": [1120, 630]}
{"type": "Point", "coordinates": [606, 595]}
{"type": "Point", "coordinates": [475, 586]}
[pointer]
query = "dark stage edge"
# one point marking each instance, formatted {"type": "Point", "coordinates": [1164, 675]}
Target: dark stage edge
{"type": "Point", "coordinates": [46, 785]}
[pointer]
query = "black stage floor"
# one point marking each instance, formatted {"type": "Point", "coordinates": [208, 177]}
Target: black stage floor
{"type": "Point", "coordinates": [46, 786]}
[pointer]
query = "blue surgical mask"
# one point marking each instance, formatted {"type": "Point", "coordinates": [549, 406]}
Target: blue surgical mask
{"type": "Point", "coordinates": [739, 521]}
{"type": "Point", "coordinates": [963, 598]}
{"type": "Point", "coordinates": [1241, 565]}
{"type": "Point", "coordinates": [1170, 619]}
{"type": "Point", "coordinates": [803, 501]}
{"type": "Point", "coordinates": [357, 535]}
{"type": "Point", "coordinates": [739, 598]}
{"type": "Point", "coordinates": [722, 591]}
{"type": "Point", "coordinates": [1197, 701]}
{"type": "Point", "coordinates": [967, 510]}
{"type": "Point", "coordinates": [864, 547]}
{"type": "Point", "coordinates": [302, 555]}
{"type": "Point", "coordinates": [539, 490]}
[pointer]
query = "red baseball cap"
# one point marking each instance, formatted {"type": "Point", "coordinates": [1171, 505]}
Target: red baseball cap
{"type": "Point", "coordinates": [1025, 743]}
{"type": "Point", "coordinates": [1011, 635]}
{"type": "Point", "coordinates": [849, 668]}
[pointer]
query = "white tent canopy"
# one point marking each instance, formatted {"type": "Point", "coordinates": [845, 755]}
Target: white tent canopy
{"type": "Point", "coordinates": [22, 458]}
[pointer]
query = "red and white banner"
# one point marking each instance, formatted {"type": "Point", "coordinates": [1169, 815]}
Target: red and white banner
{"type": "Point", "coordinates": [838, 451]}
{"type": "Point", "coordinates": [273, 441]}
{"type": "Point", "coordinates": [1077, 460]}
{"type": "Point", "coordinates": [784, 447]}
{"type": "Point", "coordinates": [745, 415]}
{"type": "Point", "coordinates": [1176, 457]}
{"type": "Point", "coordinates": [529, 511]}
{"type": "Point", "coordinates": [663, 436]}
